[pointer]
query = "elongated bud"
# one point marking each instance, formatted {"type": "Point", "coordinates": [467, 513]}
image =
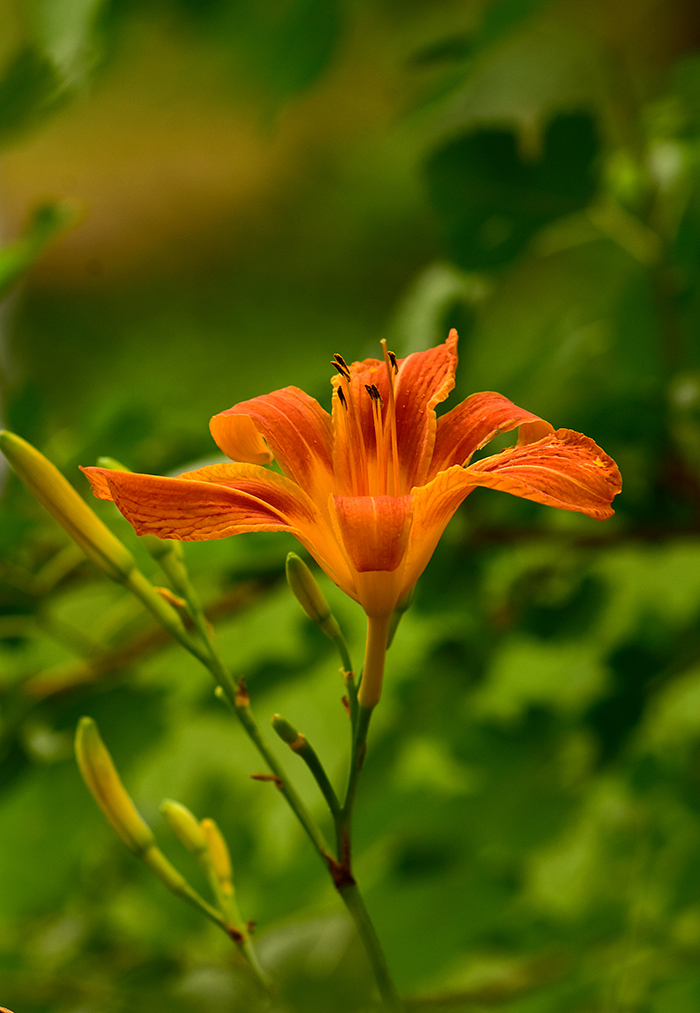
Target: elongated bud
{"type": "Point", "coordinates": [102, 779]}
{"type": "Point", "coordinates": [310, 597]}
{"type": "Point", "coordinates": [219, 854]}
{"type": "Point", "coordinates": [287, 732]}
{"type": "Point", "coordinates": [306, 590]}
{"type": "Point", "coordinates": [62, 501]}
{"type": "Point", "coordinates": [185, 825]}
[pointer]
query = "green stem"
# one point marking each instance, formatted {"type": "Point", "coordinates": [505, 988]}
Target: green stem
{"type": "Point", "coordinates": [362, 704]}
{"type": "Point", "coordinates": [281, 780]}
{"type": "Point", "coordinates": [356, 906]}
{"type": "Point", "coordinates": [207, 652]}
{"type": "Point", "coordinates": [339, 640]}
{"type": "Point", "coordinates": [310, 757]}
{"type": "Point", "coordinates": [359, 746]}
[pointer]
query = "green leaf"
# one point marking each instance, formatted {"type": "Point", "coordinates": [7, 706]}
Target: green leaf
{"type": "Point", "coordinates": [492, 200]}
{"type": "Point", "coordinates": [47, 222]}
{"type": "Point", "coordinates": [29, 90]}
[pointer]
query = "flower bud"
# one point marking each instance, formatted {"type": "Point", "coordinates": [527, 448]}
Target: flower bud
{"type": "Point", "coordinates": [310, 597]}
{"type": "Point", "coordinates": [102, 779]}
{"type": "Point", "coordinates": [185, 825]}
{"type": "Point", "coordinates": [306, 590]}
{"type": "Point", "coordinates": [287, 732]}
{"type": "Point", "coordinates": [62, 501]}
{"type": "Point", "coordinates": [219, 854]}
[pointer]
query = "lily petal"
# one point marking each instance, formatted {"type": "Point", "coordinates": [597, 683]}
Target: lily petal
{"type": "Point", "coordinates": [474, 422]}
{"type": "Point", "coordinates": [295, 428]}
{"type": "Point", "coordinates": [374, 531]}
{"type": "Point", "coordinates": [434, 504]}
{"type": "Point", "coordinates": [423, 381]}
{"type": "Point", "coordinates": [209, 503]}
{"type": "Point", "coordinates": [565, 470]}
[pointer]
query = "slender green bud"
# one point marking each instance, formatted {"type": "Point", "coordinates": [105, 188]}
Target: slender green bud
{"type": "Point", "coordinates": [219, 854]}
{"type": "Point", "coordinates": [311, 598]}
{"type": "Point", "coordinates": [102, 779]}
{"type": "Point", "coordinates": [286, 731]}
{"type": "Point", "coordinates": [185, 825]}
{"type": "Point", "coordinates": [62, 501]}
{"type": "Point", "coordinates": [306, 590]}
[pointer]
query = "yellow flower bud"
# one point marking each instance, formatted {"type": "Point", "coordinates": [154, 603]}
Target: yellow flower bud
{"type": "Point", "coordinates": [62, 501]}
{"type": "Point", "coordinates": [219, 854]}
{"type": "Point", "coordinates": [185, 825]}
{"type": "Point", "coordinates": [102, 779]}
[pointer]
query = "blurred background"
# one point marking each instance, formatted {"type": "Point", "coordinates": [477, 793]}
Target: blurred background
{"type": "Point", "coordinates": [202, 201]}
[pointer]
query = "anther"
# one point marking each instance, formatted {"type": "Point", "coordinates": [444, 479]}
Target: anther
{"type": "Point", "coordinates": [341, 398]}
{"type": "Point", "coordinates": [341, 365]}
{"type": "Point", "coordinates": [376, 396]}
{"type": "Point", "coordinates": [394, 363]}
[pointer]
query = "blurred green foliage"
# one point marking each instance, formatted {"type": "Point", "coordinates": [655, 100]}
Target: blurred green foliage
{"type": "Point", "coordinates": [528, 828]}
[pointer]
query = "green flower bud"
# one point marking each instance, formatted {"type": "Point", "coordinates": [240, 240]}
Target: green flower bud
{"type": "Point", "coordinates": [306, 590]}
{"type": "Point", "coordinates": [62, 501]}
{"type": "Point", "coordinates": [102, 779]}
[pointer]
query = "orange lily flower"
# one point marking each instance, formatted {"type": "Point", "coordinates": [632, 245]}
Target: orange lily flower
{"type": "Point", "coordinates": [369, 489]}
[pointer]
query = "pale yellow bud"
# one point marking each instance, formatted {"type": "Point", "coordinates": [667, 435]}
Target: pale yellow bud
{"type": "Point", "coordinates": [219, 854]}
{"type": "Point", "coordinates": [185, 825]}
{"type": "Point", "coordinates": [102, 779]}
{"type": "Point", "coordinates": [62, 501]}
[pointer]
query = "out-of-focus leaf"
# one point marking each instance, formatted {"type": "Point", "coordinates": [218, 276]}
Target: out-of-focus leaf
{"type": "Point", "coordinates": [30, 89]}
{"type": "Point", "coordinates": [48, 221]}
{"type": "Point", "coordinates": [67, 31]}
{"type": "Point", "coordinates": [502, 17]}
{"type": "Point", "coordinates": [492, 200]}
{"type": "Point", "coordinates": [294, 43]}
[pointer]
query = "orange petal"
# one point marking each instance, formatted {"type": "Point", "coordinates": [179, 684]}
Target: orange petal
{"type": "Point", "coordinates": [474, 422]}
{"type": "Point", "coordinates": [424, 379]}
{"type": "Point", "coordinates": [239, 438]}
{"type": "Point", "coordinates": [296, 431]}
{"type": "Point", "coordinates": [214, 504]}
{"type": "Point", "coordinates": [434, 504]}
{"type": "Point", "coordinates": [374, 529]}
{"type": "Point", "coordinates": [565, 470]}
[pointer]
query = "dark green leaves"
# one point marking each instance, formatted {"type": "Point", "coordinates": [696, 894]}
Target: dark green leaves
{"type": "Point", "coordinates": [492, 198]}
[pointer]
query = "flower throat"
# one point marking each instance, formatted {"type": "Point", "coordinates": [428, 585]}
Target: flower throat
{"type": "Point", "coordinates": [370, 430]}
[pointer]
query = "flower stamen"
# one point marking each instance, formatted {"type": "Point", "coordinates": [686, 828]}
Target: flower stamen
{"type": "Point", "coordinates": [392, 368]}
{"type": "Point", "coordinates": [377, 405]}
